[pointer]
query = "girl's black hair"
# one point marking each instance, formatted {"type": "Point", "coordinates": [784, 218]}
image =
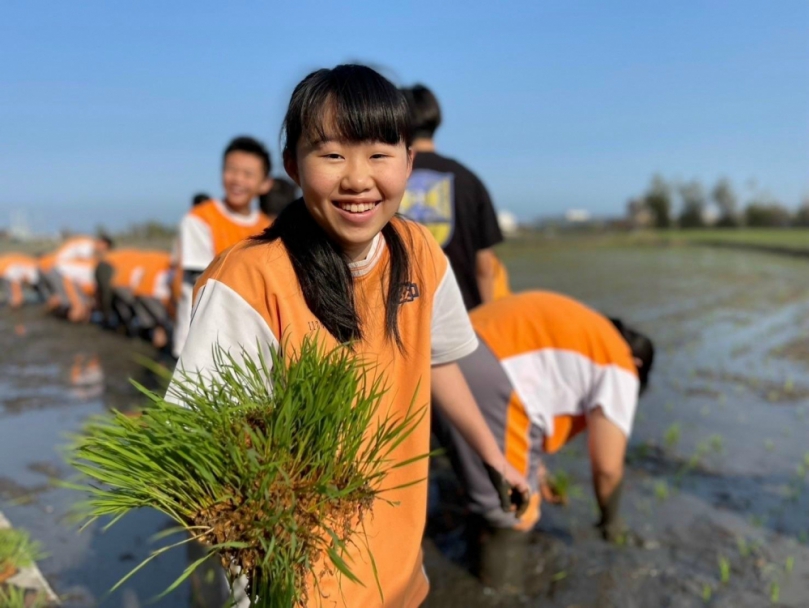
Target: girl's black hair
{"type": "Point", "coordinates": [350, 103]}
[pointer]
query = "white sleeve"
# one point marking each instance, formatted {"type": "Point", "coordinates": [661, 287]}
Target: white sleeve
{"type": "Point", "coordinates": [615, 391]}
{"type": "Point", "coordinates": [182, 317]}
{"type": "Point", "coordinates": [196, 244]}
{"type": "Point", "coordinates": [221, 316]}
{"type": "Point", "coordinates": [452, 335]}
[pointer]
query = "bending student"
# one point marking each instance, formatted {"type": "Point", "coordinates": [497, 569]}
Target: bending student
{"type": "Point", "coordinates": [547, 367]}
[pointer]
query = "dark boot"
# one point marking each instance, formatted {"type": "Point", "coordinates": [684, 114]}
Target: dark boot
{"type": "Point", "coordinates": [502, 554]}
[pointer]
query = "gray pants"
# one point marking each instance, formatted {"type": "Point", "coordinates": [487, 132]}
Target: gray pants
{"type": "Point", "coordinates": [492, 390]}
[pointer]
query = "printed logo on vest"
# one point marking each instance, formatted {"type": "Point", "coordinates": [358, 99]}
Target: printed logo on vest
{"type": "Point", "coordinates": [430, 200]}
{"type": "Point", "coordinates": [410, 291]}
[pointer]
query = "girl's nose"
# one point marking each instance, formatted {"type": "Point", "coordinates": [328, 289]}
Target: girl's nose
{"type": "Point", "coordinates": [357, 177]}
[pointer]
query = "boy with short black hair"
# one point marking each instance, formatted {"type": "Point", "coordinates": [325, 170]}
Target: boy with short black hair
{"type": "Point", "coordinates": [452, 202]}
{"type": "Point", "coordinates": [213, 226]}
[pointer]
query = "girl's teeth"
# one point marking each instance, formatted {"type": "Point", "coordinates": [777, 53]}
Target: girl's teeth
{"type": "Point", "coordinates": [357, 208]}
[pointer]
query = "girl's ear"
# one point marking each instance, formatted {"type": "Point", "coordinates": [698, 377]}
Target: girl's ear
{"type": "Point", "coordinates": [411, 154]}
{"type": "Point", "coordinates": [291, 167]}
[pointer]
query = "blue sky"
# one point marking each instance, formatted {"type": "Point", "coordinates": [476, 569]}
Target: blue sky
{"type": "Point", "coordinates": [114, 112]}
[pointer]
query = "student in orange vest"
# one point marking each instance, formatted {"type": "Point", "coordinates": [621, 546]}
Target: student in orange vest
{"type": "Point", "coordinates": [547, 367]}
{"type": "Point", "coordinates": [116, 276]}
{"type": "Point", "coordinates": [79, 249]}
{"type": "Point", "coordinates": [17, 273]}
{"type": "Point", "coordinates": [338, 265]}
{"type": "Point", "coordinates": [152, 295]}
{"type": "Point", "coordinates": [213, 226]}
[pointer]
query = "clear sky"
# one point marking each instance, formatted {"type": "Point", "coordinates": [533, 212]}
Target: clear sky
{"type": "Point", "coordinates": [113, 112]}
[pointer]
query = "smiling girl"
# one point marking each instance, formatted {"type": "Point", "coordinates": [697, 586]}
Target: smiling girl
{"type": "Point", "coordinates": [339, 265]}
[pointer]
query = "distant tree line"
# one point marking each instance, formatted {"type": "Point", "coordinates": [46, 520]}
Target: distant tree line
{"type": "Point", "coordinates": [718, 207]}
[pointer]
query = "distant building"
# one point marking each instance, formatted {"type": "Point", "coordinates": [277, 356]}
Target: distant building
{"type": "Point", "coordinates": [19, 230]}
{"type": "Point", "coordinates": [508, 223]}
{"type": "Point", "coordinates": [577, 216]}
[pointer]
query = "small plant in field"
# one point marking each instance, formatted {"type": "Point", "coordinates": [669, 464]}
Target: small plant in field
{"type": "Point", "coordinates": [12, 596]}
{"type": "Point", "coordinates": [717, 443]}
{"type": "Point", "coordinates": [671, 437]}
{"type": "Point", "coordinates": [775, 592]}
{"type": "Point", "coordinates": [806, 459]}
{"type": "Point", "coordinates": [789, 565]}
{"type": "Point", "coordinates": [661, 490]}
{"type": "Point", "coordinates": [272, 466]}
{"type": "Point", "coordinates": [769, 445]}
{"type": "Point", "coordinates": [724, 569]}
{"type": "Point", "coordinates": [561, 485]}
{"type": "Point", "coordinates": [707, 592]}
{"type": "Point", "coordinates": [17, 550]}
{"type": "Point", "coordinates": [744, 546]}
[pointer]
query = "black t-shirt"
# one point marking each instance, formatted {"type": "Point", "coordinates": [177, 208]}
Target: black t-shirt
{"type": "Point", "coordinates": [453, 203]}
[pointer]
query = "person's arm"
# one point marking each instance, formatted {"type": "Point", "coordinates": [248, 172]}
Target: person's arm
{"type": "Point", "coordinates": [607, 446]}
{"type": "Point", "coordinates": [484, 271]}
{"type": "Point", "coordinates": [452, 396]}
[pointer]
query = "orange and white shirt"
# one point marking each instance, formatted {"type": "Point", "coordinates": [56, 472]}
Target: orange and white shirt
{"type": "Point", "coordinates": [76, 248]}
{"type": "Point", "coordinates": [205, 232]}
{"type": "Point", "coordinates": [19, 268]}
{"type": "Point", "coordinates": [78, 272]}
{"type": "Point", "coordinates": [126, 267]}
{"type": "Point", "coordinates": [250, 299]}
{"type": "Point", "coordinates": [563, 359]}
{"type": "Point", "coordinates": [154, 280]}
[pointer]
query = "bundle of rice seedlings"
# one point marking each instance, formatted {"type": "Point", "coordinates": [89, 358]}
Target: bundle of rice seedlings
{"type": "Point", "coordinates": [17, 551]}
{"type": "Point", "coordinates": [273, 468]}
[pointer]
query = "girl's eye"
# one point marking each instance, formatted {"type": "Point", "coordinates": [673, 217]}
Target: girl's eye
{"type": "Point", "coordinates": [332, 156]}
{"type": "Point", "coordinates": [380, 155]}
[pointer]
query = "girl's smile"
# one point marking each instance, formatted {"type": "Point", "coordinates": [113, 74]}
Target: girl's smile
{"type": "Point", "coordinates": [356, 209]}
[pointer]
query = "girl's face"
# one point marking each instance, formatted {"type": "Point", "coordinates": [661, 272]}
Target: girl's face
{"type": "Point", "coordinates": [351, 189]}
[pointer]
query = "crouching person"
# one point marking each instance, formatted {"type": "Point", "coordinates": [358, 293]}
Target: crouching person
{"type": "Point", "coordinates": [152, 298]}
{"type": "Point", "coordinates": [546, 368]}
{"type": "Point", "coordinates": [18, 274]}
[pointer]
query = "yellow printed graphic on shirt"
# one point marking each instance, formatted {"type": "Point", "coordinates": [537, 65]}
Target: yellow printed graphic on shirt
{"type": "Point", "coordinates": [430, 200]}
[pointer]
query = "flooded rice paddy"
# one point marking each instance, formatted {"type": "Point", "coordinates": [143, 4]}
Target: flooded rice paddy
{"type": "Point", "coordinates": [716, 493]}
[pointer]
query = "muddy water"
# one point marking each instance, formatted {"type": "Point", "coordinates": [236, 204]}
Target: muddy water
{"type": "Point", "coordinates": [714, 468]}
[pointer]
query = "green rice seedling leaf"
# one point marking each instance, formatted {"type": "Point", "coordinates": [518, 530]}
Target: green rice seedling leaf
{"type": "Point", "coordinates": [17, 550]}
{"type": "Point", "coordinates": [775, 592]}
{"type": "Point", "coordinates": [707, 592]}
{"type": "Point", "coordinates": [789, 565]}
{"type": "Point", "coordinates": [671, 437]}
{"type": "Point", "coordinates": [662, 490]}
{"type": "Point", "coordinates": [186, 573]}
{"type": "Point", "coordinates": [270, 461]}
{"type": "Point", "coordinates": [724, 569]}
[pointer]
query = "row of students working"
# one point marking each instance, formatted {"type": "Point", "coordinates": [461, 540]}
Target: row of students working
{"type": "Point", "coordinates": [129, 288]}
{"type": "Point", "coordinates": [528, 371]}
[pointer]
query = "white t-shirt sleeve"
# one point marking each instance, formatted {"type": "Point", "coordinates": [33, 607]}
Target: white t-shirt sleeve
{"type": "Point", "coordinates": [221, 317]}
{"type": "Point", "coordinates": [615, 390]}
{"type": "Point", "coordinates": [196, 244]}
{"type": "Point", "coordinates": [452, 335]}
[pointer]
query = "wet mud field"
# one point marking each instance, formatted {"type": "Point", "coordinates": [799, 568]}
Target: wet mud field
{"type": "Point", "coordinates": [717, 490]}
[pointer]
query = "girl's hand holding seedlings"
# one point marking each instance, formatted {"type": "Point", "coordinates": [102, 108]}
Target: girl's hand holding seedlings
{"type": "Point", "coordinates": [452, 396]}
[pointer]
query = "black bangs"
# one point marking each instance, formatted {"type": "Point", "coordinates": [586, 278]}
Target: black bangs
{"type": "Point", "coordinates": [350, 103]}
